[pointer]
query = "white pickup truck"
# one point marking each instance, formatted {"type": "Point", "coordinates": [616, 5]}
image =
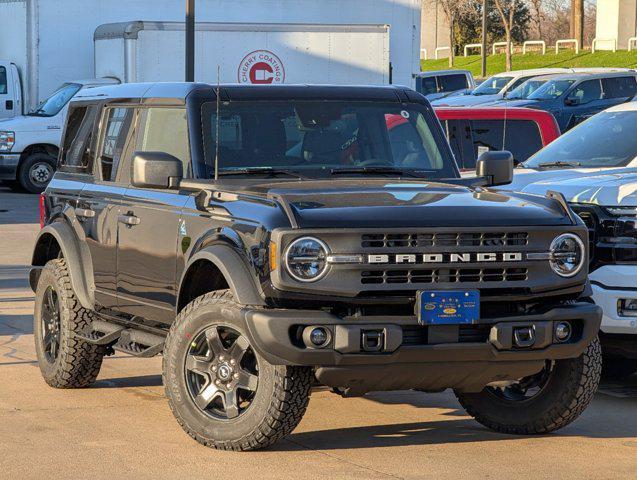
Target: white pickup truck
{"type": "Point", "coordinates": [595, 166]}
{"type": "Point", "coordinates": [29, 143]}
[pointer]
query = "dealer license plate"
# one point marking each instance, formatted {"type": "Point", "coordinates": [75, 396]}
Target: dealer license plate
{"type": "Point", "coordinates": [448, 307]}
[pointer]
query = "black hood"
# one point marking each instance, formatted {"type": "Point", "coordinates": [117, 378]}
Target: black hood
{"type": "Point", "coordinates": [363, 203]}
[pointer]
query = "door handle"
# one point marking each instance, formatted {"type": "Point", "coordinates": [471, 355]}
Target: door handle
{"type": "Point", "coordinates": [129, 220]}
{"type": "Point", "coordinates": [84, 212]}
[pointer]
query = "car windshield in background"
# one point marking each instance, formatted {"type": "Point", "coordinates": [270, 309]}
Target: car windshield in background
{"type": "Point", "coordinates": [56, 101]}
{"type": "Point", "coordinates": [320, 139]}
{"type": "Point", "coordinates": [605, 140]}
{"type": "Point", "coordinates": [551, 90]}
{"type": "Point", "coordinates": [492, 86]}
{"type": "Point", "coordinates": [524, 90]}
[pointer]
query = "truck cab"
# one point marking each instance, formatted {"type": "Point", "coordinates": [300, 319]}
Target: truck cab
{"type": "Point", "coordinates": [10, 90]}
{"type": "Point", "coordinates": [29, 143]}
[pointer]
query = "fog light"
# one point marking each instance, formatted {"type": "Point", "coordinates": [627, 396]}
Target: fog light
{"type": "Point", "coordinates": [316, 337]}
{"type": "Point", "coordinates": [524, 337]}
{"type": "Point", "coordinates": [563, 331]}
{"type": "Point", "coordinates": [627, 307]}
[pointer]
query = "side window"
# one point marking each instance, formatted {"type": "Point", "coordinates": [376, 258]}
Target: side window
{"type": "Point", "coordinates": [587, 91]}
{"type": "Point", "coordinates": [523, 139]}
{"type": "Point", "coordinates": [116, 135]}
{"type": "Point", "coordinates": [77, 155]}
{"type": "Point", "coordinates": [3, 81]}
{"type": "Point", "coordinates": [619, 87]}
{"type": "Point", "coordinates": [166, 130]}
{"type": "Point", "coordinates": [428, 85]}
{"type": "Point", "coordinates": [487, 135]}
{"type": "Point", "coordinates": [517, 83]}
{"type": "Point", "coordinates": [451, 83]}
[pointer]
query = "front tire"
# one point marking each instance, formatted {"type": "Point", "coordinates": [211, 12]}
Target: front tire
{"type": "Point", "coordinates": [221, 391]}
{"type": "Point", "coordinates": [36, 171]}
{"type": "Point", "coordinates": [542, 403]}
{"type": "Point", "coordinates": [65, 360]}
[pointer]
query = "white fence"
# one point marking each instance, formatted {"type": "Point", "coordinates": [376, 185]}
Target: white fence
{"type": "Point", "coordinates": [423, 54]}
{"type": "Point", "coordinates": [472, 46]}
{"type": "Point", "coordinates": [567, 41]}
{"type": "Point", "coordinates": [612, 41]}
{"type": "Point", "coordinates": [497, 45]}
{"type": "Point", "coordinates": [541, 43]}
{"type": "Point", "coordinates": [631, 40]}
{"type": "Point", "coordinates": [441, 49]}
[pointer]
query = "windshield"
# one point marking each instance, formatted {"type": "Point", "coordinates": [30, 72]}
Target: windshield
{"type": "Point", "coordinates": [56, 101]}
{"type": "Point", "coordinates": [605, 140]}
{"type": "Point", "coordinates": [492, 86]}
{"type": "Point", "coordinates": [317, 139]}
{"type": "Point", "coordinates": [551, 90]}
{"type": "Point", "coordinates": [523, 91]}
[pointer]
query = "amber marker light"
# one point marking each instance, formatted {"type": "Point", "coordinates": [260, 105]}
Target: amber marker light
{"type": "Point", "coordinates": [273, 259]}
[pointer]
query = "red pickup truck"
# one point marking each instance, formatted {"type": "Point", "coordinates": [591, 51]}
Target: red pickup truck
{"type": "Point", "coordinates": [472, 131]}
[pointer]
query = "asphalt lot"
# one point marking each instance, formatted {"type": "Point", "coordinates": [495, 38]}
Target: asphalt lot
{"type": "Point", "coordinates": [122, 427]}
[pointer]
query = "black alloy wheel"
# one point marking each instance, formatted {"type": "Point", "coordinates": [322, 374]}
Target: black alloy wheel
{"type": "Point", "coordinates": [50, 324]}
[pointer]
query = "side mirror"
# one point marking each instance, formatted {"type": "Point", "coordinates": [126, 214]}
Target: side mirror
{"type": "Point", "coordinates": [156, 170]}
{"type": "Point", "coordinates": [496, 167]}
{"type": "Point", "coordinates": [571, 101]}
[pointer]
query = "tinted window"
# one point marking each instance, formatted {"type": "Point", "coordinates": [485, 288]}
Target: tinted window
{"type": "Point", "coordinates": [491, 86]}
{"type": "Point", "coordinates": [56, 102]}
{"type": "Point", "coordinates": [551, 90]}
{"type": "Point", "coordinates": [166, 130]}
{"type": "Point", "coordinates": [116, 136]}
{"type": "Point", "coordinates": [3, 81]}
{"type": "Point", "coordinates": [527, 88]}
{"type": "Point", "coordinates": [76, 153]}
{"type": "Point", "coordinates": [517, 83]}
{"type": "Point", "coordinates": [619, 87]}
{"type": "Point", "coordinates": [428, 85]}
{"type": "Point", "coordinates": [313, 137]}
{"type": "Point", "coordinates": [521, 137]}
{"type": "Point", "coordinates": [606, 140]}
{"type": "Point", "coordinates": [452, 83]}
{"type": "Point", "coordinates": [587, 91]}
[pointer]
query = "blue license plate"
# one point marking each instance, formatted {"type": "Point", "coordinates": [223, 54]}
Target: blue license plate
{"type": "Point", "coordinates": [448, 307]}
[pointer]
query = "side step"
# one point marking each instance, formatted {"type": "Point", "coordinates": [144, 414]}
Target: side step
{"type": "Point", "coordinates": [133, 341]}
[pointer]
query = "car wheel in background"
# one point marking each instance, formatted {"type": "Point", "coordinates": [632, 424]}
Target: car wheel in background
{"type": "Point", "coordinates": [36, 171]}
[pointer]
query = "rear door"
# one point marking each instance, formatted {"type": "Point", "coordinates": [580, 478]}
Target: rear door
{"type": "Point", "coordinates": [147, 253]}
{"type": "Point", "coordinates": [100, 201]}
{"type": "Point", "coordinates": [618, 90]}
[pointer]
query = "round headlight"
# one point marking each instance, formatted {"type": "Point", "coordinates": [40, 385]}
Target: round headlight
{"type": "Point", "coordinates": [567, 255]}
{"type": "Point", "coordinates": [306, 259]}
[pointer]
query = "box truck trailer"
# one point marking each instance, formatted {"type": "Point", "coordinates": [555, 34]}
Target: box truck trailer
{"type": "Point", "coordinates": [256, 53]}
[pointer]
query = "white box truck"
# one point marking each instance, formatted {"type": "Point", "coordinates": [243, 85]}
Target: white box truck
{"type": "Point", "coordinates": [257, 53]}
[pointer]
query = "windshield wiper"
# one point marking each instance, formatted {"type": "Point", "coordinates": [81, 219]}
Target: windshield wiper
{"type": "Point", "coordinates": [376, 171]}
{"type": "Point", "coordinates": [560, 164]}
{"type": "Point", "coordinates": [261, 170]}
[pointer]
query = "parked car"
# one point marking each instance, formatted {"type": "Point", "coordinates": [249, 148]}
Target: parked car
{"type": "Point", "coordinates": [442, 83]}
{"type": "Point", "coordinates": [29, 144]}
{"type": "Point", "coordinates": [495, 87]}
{"type": "Point", "coordinates": [473, 131]}
{"type": "Point", "coordinates": [594, 166]}
{"type": "Point", "coordinates": [574, 97]}
{"type": "Point", "coordinates": [281, 237]}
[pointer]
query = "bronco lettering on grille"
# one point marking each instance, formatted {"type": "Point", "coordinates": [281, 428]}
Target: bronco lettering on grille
{"type": "Point", "coordinates": [445, 257]}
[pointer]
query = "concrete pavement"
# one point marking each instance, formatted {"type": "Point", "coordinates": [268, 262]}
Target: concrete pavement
{"type": "Point", "coordinates": [122, 427]}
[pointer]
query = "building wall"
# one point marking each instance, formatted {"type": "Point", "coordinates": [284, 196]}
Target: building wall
{"type": "Point", "coordinates": [434, 28]}
{"type": "Point", "coordinates": [616, 19]}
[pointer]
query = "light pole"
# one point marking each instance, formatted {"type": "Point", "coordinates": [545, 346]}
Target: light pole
{"type": "Point", "coordinates": [190, 40]}
{"type": "Point", "coordinates": [484, 39]}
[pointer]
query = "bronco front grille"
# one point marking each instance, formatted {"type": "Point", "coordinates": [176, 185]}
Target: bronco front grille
{"type": "Point", "coordinates": [473, 239]}
{"type": "Point", "coordinates": [444, 275]}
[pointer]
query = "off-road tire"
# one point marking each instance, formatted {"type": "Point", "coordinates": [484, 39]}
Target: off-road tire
{"type": "Point", "coordinates": [568, 392]}
{"type": "Point", "coordinates": [280, 400]}
{"type": "Point", "coordinates": [24, 178]}
{"type": "Point", "coordinates": [78, 362]}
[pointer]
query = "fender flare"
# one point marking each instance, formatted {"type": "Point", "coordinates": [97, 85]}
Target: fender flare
{"type": "Point", "coordinates": [78, 261]}
{"type": "Point", "coordinates": [234, 270]}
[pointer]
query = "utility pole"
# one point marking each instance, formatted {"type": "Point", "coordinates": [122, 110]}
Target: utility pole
{"type": "Point", "coordinates": [190, 40]}
{"type": "Point", "coordinates": [577, 20]}
{"type": "Point", "coordinates": [484, 39]}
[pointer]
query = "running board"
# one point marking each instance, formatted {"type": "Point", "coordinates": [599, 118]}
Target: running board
{"type": "Point", "coordinates": [124, 339]}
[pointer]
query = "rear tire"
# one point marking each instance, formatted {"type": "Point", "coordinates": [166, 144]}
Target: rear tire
{"type": "Point", "coordinates": [36, 171]}
{"type": "Point", "coordinates": [65, 360]}
{"type": "Point", "coordinates": [221, 391]}
{"type": "Point", "coordinates": [563, 395]}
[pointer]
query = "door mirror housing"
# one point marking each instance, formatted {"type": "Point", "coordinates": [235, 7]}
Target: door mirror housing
{"type": "Point", "coordinates": [156, 170]}
{"type": "Point", "coordinates": [496, 167]}
{"type": "Point", "coordinates": [572, 101]}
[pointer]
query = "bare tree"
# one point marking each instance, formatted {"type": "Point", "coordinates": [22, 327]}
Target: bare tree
{"type": "Point", "coordinates": [537, 17]}
{"type": "Point", "coordinates": [452, 10]}
{"type": "Point", "coordinates": [506, 10]}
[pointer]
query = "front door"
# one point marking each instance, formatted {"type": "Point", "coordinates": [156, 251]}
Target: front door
{"type": "Point", "coordinates": [8, 103]}
{"type": "Point", "coordinates": [149, 228]}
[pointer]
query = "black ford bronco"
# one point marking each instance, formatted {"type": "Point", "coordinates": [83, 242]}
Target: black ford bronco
{"type": "Point", "coordinates": [264, 239]}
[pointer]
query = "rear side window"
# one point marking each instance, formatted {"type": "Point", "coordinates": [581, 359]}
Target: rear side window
{"type": "Point", "coordinates": [428, 85]}
{"type": "Point", "coordinates": [166, 130]}
{"type": "Point", "coordinates": [619, 87]}
{"type": "Point", "coordinates": [116, 137]}
{"type": "Point", "coordinates": [77, 154]}
{"type": "Point", "coordinates": [3, 81]}
{"type": "Point", "coordinates": [521, 137]}
{"type": "Point", "coordinates": [452, 83]}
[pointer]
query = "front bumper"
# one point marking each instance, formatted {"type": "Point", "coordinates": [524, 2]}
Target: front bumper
{"type": "Point", "coordinates": [9, 165]}
{"type": "Point", "coordinates": [439, 361]}
{"type": "Point", "coordinates": [611, 284]}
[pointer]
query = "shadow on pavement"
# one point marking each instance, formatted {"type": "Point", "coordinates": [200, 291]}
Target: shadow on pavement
{"type": "Point", "coordinates": [123, 382]}
{"type": "Point", "coordinates": [16, 324]}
